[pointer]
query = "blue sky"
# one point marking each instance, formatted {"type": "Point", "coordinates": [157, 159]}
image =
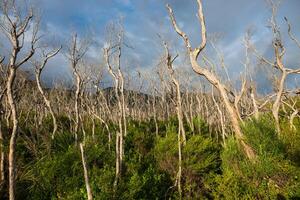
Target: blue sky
{"type": "Point", "coordinates": [143, 19]}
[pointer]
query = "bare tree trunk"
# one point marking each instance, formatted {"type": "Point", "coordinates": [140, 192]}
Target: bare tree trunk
{"type": "Point", "coordinates": [191, 113]}
{"type": "Point", "coordinates": [181, 131]}
{"type": "Point", "coordinates": [38, 81]}
{"type": "Point", "coordinates": [118, 88]}
{"type": "Point", "coordinates": [179, 173]}
{"type": "Point", "coordinates": [13, 137]}
{"type": "Point", "coordinates": [118, 162]}
{"type": "Point", "coordinates": [93, 127]}
{"type": "Point", "coordinates": [181, 136]}
{"type": "Point", "coordinates": [77, 98]}
{"type": "Point", "coordinates": [256, 112]}
{"type": "Point", "coordinates": [76, 52]}
{"type": "Point", "coordinates": [86, 176]}
{"type": "Point", "coordinates": [122, 99]}
{"type": "Point", "coordinates": [294, 114]}
{"type": "Point", "coordinates": [276, 104]}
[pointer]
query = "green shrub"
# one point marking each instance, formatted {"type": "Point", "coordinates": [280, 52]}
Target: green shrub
{"type": "Point", "coordinates": [270, 176]}
{"type": "Point", "coordinates": [200, 162]}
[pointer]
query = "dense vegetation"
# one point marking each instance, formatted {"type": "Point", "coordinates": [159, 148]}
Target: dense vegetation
{"type": "Point", "coordinates": [53, 169]}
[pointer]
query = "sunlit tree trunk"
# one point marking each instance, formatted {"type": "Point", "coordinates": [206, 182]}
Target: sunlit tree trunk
{"type": "Point", "coordinates": [86, 176]}
{"type": "Point", "coordinates": [75, 54]}
{"type": "Point", "coordinates": [181, 131]}
{"type": "Point", "coordinates": [39, 69]}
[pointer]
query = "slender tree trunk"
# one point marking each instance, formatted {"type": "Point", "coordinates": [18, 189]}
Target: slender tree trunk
{"type": "Point", "coordinates": [294, 114]}
{"type": "Point", "coordinates": [119, 141]}
{"type": "Point", "coordinates": [13, 137]}
{"type": "Point", "coordinates": [179, 174]}
{"type": "Point", "coordinates": [123, 101]}
{"type": "Point", "coordinates": [7, 113]}
{"type": "Point", "coordinates": [93, 127]}
{"type": "Point", "coordinates": [86, 176]}
{"type": "Point", "coordinates": [276, 105]}
{"type": "Point", "coordinates": [47, 102]}
{"type": "Point", "coordinates": [181, 136]}
{"type": "Point", "coordinates": [181, 132]}
{"type": "Point", "coordinates": [191, 113]}
{"type": "Point", "coordinates": [118, 164]}
{"type": "Point", "coordinates": [77, 98]}
{"type": "Point", "coordinates": [179, 112]}
{"type": "Point", "coordinates": [256, 112]}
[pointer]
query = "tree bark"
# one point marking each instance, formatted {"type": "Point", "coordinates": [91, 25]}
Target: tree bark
{"type": "Point", "coordinates": [86, 176]}
{"type": "Point", "coordinates": [13, 137]}
{"type": "Point", "coordinates": [181, 131]}
{"type": "Point", "coordinates": [46, 100]}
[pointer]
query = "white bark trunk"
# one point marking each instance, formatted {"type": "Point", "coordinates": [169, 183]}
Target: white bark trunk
{"type": "Point", "coordinates": [86, 176]}
{"type": "Point", "coordinates": [13, 137]}
{"type": "Point", "coordinates": [47, 102]}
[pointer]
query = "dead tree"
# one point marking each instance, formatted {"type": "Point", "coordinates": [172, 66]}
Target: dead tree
{"type": "Point", "coordinates": [14, 27]}
{"type": "Point", "coordinates": [121, 79]}
{"type": "Point", "coordinates": [38, 70]}
{"type": "Point", "coordinates": [211, 77]}
{"type": "Point", "coordinates": [278, 64]}
{"type": "Point", "coordinates": [86, 175]}
{"type": "Point", "coordinates": [170, 61]}
{"type": "Point", "coordinates": [76, 52]}
{"type": "Point", "coordinates": [119, 94]}
{"type": "Point", "coordinates": [181, 131]}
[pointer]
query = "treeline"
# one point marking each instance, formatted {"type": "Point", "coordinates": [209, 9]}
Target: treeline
{"type": "Point", "coordinates": [167, 139]}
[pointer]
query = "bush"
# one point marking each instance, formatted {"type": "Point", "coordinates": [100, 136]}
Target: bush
{"type": "Point", "coordinates": [271, 176]}
{"type": "Point", "coordinates": [200, 163]}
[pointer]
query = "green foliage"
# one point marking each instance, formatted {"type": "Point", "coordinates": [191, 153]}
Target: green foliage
{"type": "Point", "coordinates": [201, 126]}
{"type": "Point", "coordinates": [200, 163]}
{"type": "Point", "coordinates": [52, 169]}
{"type": "Point", "coordinates": [144, 179]}
{"type": "Point", "coordinates": [270, 176]}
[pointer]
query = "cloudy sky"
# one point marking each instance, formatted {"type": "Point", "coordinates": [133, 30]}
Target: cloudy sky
{"type": "Point", "coordinates": [143, 19]}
